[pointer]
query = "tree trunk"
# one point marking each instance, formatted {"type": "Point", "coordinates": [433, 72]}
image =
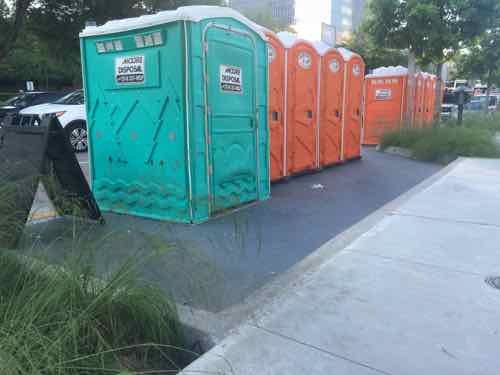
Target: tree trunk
{"type": "Point", "coordinates": [410, 89]}
{"type": "Point", "coordinates": [438, 92]}
{"type": "Point", "coordinates": [488, 91]}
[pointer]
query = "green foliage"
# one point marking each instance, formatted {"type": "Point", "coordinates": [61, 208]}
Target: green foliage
{"type": "Point", "coordinates": [434, 29]}
{"type": "Point", "coordinates": [444, 144]}
{"type": "Point", "coordinates": [481, 59]}
{"type": "Point", "coordinates": [64, 321]}
{"type": "Point", "coordinates": [48, 49]}
{"type": "Point", "coordinates": [375, 55]}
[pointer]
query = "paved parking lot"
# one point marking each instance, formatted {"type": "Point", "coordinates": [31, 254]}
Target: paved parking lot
{"type": "Point", "coordinates": [218, 264]}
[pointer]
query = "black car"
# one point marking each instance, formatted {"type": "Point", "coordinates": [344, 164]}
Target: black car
{"type": "Point", "coordinates": [13, 105]}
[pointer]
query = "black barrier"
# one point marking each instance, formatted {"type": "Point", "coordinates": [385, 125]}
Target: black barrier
{"type": "Point", "coordinates": [28, 156]}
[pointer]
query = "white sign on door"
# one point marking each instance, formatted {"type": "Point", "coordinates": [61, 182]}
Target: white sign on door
{"type": "Point", "coordinates": [383, 94]}
{"type": "Point", "coordinates": [231, 79]}
{"type": "Point", "coordinates": [130, 69]}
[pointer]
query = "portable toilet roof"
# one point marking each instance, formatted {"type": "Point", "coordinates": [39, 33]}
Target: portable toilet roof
{"type": "Point", "coordinates": [389, 71]}
{"type": "Point", "coordinates": [187, 13]}
{"type": "Point", "coordinates": [346, 54]}
{"type": "Point", "coordinates": [289, 39]}
{"type": "Point", "coordinates": [322, 47]}
{"type": "Point", "coordinates": [177, 113]}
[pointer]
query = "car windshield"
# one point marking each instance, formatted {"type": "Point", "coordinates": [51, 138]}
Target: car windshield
{"type": "Point", "coordinates": [16, 100]}
{"type": "Point", "coordinates": [73, 98]}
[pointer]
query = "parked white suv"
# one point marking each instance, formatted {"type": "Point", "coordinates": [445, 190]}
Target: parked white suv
{"type": "Point", "coordinates": [70, 111]}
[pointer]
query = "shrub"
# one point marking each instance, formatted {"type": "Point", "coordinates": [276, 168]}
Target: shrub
{"type": "Point", "coordinates": [64, 321]}
{"type": "Point", "coordinates": [444, 144]}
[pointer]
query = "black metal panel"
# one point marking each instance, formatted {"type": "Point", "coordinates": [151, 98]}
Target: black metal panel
{"type": "Point", "coordinates": [29, 155]}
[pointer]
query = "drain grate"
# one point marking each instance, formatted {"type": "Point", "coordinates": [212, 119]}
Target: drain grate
{"type": "Point", "coordinates": [493, 281]}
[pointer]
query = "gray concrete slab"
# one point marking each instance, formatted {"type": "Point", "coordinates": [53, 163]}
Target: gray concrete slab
{"type": "Point", "coordinates": [278, 357]}
{"type": "Point", "coordinates": [467, 194]}
{"type": "Point", "coordinates": [425, 241]}
{"type": "Point", "coordinates": [219, 264]}
{"type": "Point", "coordinates": [414, 304]}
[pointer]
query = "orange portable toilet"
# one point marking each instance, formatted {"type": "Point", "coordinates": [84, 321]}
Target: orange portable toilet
{"type": "Point", "coordinates": [428, 99]}
{"type": "Point", "coordinates": [385, 101]}
{"type": "Point", "coordinates": [419, 100]}
{"type": "Point", "coordinates": [432, 99]}
{"type": "Point", "coordinates": [354, 76]}
{"type": "Point", "coordinates": [277, 111]}
{"type": "Point", "coordinates": [331, 100]}
{"type": "Point", "coordinates": [301, 103]}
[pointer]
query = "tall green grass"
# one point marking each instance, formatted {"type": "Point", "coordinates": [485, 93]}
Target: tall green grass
{"type": "Point", "coordinates": [444, 144]}
{"type": "Point", "coordinates": [63, 319]}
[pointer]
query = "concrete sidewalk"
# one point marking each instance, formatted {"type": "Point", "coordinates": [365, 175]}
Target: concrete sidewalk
{"type": "Point", "coordinates": [402, 292]}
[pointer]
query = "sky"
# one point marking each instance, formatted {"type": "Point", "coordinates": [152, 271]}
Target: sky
{"type": "Point", "coordinates": [309, 15]}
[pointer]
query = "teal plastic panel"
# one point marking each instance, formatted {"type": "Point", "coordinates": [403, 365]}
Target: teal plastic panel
{"type": "Point", "coordinates": [151, 147]}
{"type": "Point", "coordinates": [136, 130]}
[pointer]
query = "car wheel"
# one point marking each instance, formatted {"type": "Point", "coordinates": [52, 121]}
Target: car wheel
{"type": "Point", "coordinates": [77, 134]}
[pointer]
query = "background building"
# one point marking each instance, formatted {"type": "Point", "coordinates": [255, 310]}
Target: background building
{"type": "Point", "coordinates": [347, 15]}
{"type": "Point", "coordinates": [281, 10]}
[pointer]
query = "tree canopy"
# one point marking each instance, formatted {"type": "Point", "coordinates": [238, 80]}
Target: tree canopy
{"type": "Point", "coordinates": [39, 39]}
{"type": "Point", "coordinates": [435, 30]}
{"type": "Point", "coordinates": [481, 59]}
{"type": "Point", "coordinates": [374, 54]}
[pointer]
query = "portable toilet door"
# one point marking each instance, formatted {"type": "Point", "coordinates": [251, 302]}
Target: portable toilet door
{"type": "Point", "coordinates": [177, 113]}
{"type": "Point", "coordinates": [428, 96]}
{"type": "Point", "coordinates": [277, 109]}
{"type": "Point", "coordinates": [431, 99]}
{"type": "Point", "coordinates": [419, 100]}
{"type": "Point", "coordinates": [302, 105]}
{"type": "Point", "coordinates": [331, 107]}
{"type": "Point", "coordinates": [353, 104]}
{"type": "Point", "coordinates": [385, 92]}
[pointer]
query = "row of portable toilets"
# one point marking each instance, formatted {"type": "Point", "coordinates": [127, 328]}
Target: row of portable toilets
{"type": "Point", "coordinates": [195, 111]}
{"type": "Point", "coordinates": [315, 105]}
{"type": "Point", "coordinates": [386, 101]}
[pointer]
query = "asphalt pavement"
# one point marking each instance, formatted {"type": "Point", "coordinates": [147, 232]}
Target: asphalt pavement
{"type": "Point", "coordinates": [217, 265]}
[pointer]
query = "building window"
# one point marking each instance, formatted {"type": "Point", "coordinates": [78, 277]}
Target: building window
{"type": "Point", "coordinates": [346, 10]}
{"type": "Point", "coordinates": [346, 22]}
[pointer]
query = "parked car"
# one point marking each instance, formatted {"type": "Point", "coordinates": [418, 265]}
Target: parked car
{"type": "Point", "coordinates": [23, 100]}
{"type": "Point", "coordinates": [70, 111]}
{"type": "Point", "coordinates": [478, 103]}
{"type": "Point", "coordinates": [449, 112]}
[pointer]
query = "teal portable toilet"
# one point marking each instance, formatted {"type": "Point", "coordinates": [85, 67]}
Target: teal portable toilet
{"type": "Point", "coordinates": [177, 113]}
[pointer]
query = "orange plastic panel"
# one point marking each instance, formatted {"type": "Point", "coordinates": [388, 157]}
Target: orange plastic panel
{"type": "Point", "coordinates": [276, 106]}
{"type": "Point", "coordinates": [353, 101]}
{"type": "Point", "coordinates": [331, 108]}
{"type": "Point", "coordinates": [303, 61]}
{"type": "Point", "coordinates": [384, 106]}
{"type": "Point", "coordinates": [419, 101]}
{"type": "Point", "coordinates": [429, 101]}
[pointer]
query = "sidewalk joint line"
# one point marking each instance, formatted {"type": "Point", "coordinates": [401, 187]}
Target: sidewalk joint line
{"type": "Point", "coordinates": [396, 213]}
{"type": "Point", "coordinates": [339, 356]}
{"type": "Point", "coordinates": [407, 260]}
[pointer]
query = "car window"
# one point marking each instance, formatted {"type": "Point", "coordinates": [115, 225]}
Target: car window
{"type": "Point", "coordinates": [17, 101]}
{"type": "Point", "coordinates": [74, 98]}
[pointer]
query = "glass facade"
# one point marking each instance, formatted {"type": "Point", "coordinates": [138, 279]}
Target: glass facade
{"type": "Point", "coordinates": [282, 10]}
{"type": "Point", "coordinates": [346, 17]}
